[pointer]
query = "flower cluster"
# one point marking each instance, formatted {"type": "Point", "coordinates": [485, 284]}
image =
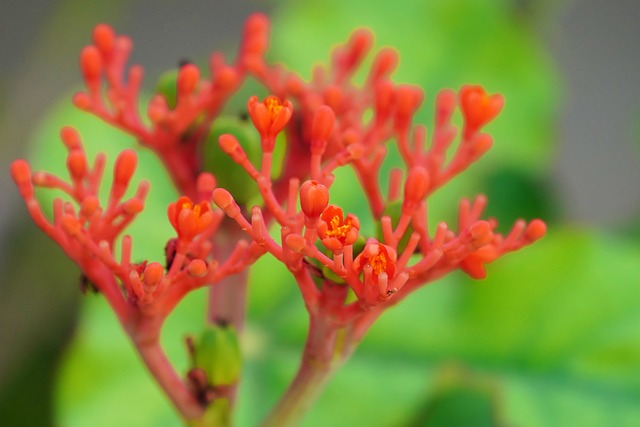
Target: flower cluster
{"type": "Point", "coordinates": [346, 277]}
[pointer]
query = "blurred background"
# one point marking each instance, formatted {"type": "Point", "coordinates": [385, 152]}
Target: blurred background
{"type": "Point", "coordinates": [552, 337]}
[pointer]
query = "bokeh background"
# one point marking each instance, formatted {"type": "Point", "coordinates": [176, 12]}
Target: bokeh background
{"type": "Point", "coordinates": [552, 338]}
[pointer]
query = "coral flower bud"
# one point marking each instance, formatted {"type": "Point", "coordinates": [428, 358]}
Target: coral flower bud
{"type": "Point", "coordinates": [353, 52]}
{"type": "Point", "coordinates": [481, 233]}
{"type": "Point", "coordinates": [408, 99]}
{"type": "Point", "coordinates": [232, 147]}
{"type": "Point", "coordinates": [197, 268]}
{"type": "Point", "coordinates": [70, 138]}
{"type": "Point", "coordinates": [70, 225]}
{"type": "Point", "coordinates": [296, 243]}
{"type": "Point", "coordinates": [82, 101]}
{"type": "Point", "coordinates": [256, 35]}
{"type": "Point", "coordinates": [133, 206]}
{"type": "Point", "coordinates": [481, 144]}
{"type": "Point", "coordinates": [474, 264]}
{"type": "Point", "coordinates": [206, 183]}
{"type": "Point", "coordinates": [76, 164]}
{"type": "Point", "coordinates": [535, 230]}
{"type": "Point", "coordinates": [384, 94]}
{"type": "Point", "coordinates": [104, 38]}
{"type": "Point", "coordinates": [91, 64]}
{"type": "Point", "coordinates": [125, 167]}
{"type": "Point", "coordinates": [445, 106]}
{"type": "Point", "coordinates": [88, 206]}
{"type": "Point", "coordinates": [384, 64]}
{"type": "Point", "coordinates": [321, 128]}
{"type": "Point", "coordinates": [188, 78]}
{"type": "Point", "coordinates": [314, 198]}
{"type": "Point", "coordinates": [225, 79]}
{"type": "Point", "coordinates": [478, 107]}
{"type": "Point", "coordinates": [21, 173]}
{"type": "Point", "coordinates": [153, 273]}
{"type": "Point", "coordinates": [415, 189]}
{"type": "Point", "coordinates": [224, 200]}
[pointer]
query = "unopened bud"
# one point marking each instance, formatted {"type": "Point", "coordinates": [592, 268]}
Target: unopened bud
{"type": "Point", "coordinates": [88, 206]}
{"type": "Point", "coordinates": [232, 147]}
{"type": "Point", "coordinates": [535, 230]}
{"type": "Point", "coordinates": [125, 167]}
{"type": "Point", "coordinates": [104, 38]}
{"type": "Point", "coordinates": [224, 200]}
{"type": "Point", "coordinates": [384, 64]}
{"type": "Point", "coordinates": [481, 233]}
{"type": "Point", "coordinates": [133, 206]}
{"type": "Point", "coordinates": [21, 173]}
{"type": "Point", "coordinates": [314, 198]}
{"type": "Point", "coordinates": [296, 243]}
{"type": "Point", "coordinates": [445, 106]}
{"type": "Point", "coordinates": [197, 268]}
{"type": "Point", "coordinates": [481, 144]}
{"type": "Point", "coordinates": [71, 138]}
{"type": "Point", "coordinates": [416, 189]}
{"type": "Point", "coordinates": [91, 64]}
{"type": "Point", "coordinates": [76, 164]}
{"type": "Point", "coordinates": [153, 273]}
{"type": "Point", "coordinates": [188, 78]}
{"type": "Point", "coordinates": [70, 225]}
{"type": "Point", "coordinates": [323, 120]}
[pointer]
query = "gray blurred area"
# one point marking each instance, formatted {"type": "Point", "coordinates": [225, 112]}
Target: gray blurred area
{"type": "Point", "coordinates": [595, 44]}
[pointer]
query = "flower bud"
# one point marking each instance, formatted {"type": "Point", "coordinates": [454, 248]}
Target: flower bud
{"type": "Point", "coordinates": [104, 38]}
{"type": "Point", "coordinates": [91, 64]}
{"type": "Point", "coordinates": [535, 230]}
{"type": "Point", "coordinates": [314, 198]}
{"type": "Point", "coordinates": [217, 352]}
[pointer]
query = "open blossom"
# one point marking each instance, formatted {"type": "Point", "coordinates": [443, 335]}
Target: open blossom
{"type": "Point", "coordinates": [336, 230]}
{"type": "Point", "coordinates": [269, 116]}
{"type": "Point", "coordinates": [189, 219]}
{"type": "Point", "coordinates": [376, 259]}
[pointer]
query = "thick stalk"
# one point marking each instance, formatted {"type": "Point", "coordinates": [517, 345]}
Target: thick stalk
{"type": "Point", "coordinates": [146, 339]}
{"type": "Point", "coordinates": [321, 357]}
{"type": "Point", "coordinates": [227, 298]}
{"type": "Point", "coordinates": [227, 303]}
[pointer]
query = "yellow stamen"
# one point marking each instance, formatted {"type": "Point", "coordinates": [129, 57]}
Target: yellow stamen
{"type": "Point", "coordinates": [273, 106]}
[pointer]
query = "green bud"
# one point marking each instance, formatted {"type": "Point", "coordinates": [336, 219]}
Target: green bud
{"type": "Point", "coordinates": [217, 352]}
{"type": "Point", "coordinates": [167, 86]}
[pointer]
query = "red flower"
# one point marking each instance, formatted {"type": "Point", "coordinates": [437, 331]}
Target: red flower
{"type": "Point", "coordinates": [269, 117]}
{"type": "Point", "coordinates": [189, 219]}
{"type": "Point", "coordinates": [335, 230]}
{"type": "Point", "coordinates": [478, 107]}
{"type": "Point", "coordinates": [381, 258]}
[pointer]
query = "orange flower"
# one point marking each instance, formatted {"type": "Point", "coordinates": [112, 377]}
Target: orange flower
{"type": "Point", "coordinates": [269, 117]}
{"type": "Point", "coordinates": [381, 258]}
{"type": "Point", "coordinates": [478, 107]}
{"type": "Point", "coordinates": [335, 230]}
{"type": "Point", "coordinates": [189, 219]}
